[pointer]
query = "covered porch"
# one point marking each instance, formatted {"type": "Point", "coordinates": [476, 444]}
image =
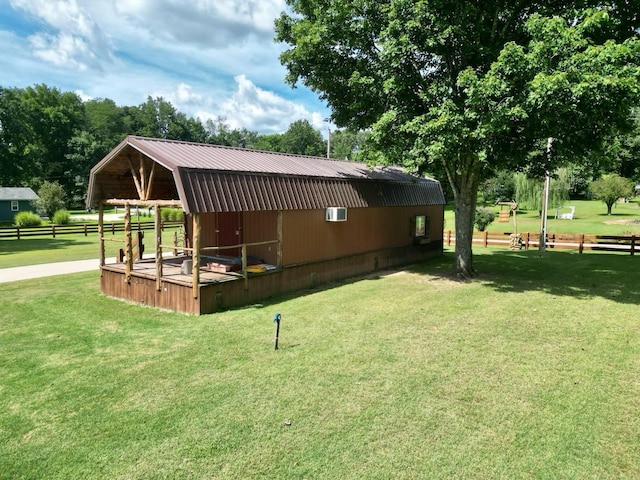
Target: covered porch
{"type": "Point", "coordinates": [186, 265]}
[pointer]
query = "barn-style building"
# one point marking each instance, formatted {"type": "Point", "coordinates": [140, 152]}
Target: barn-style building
{"type": "Point", "coordinates": [256, 224]}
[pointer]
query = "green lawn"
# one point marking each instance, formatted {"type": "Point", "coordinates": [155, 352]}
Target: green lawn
{"type": "Point", "coordinates": [590, 218]}
{"type": "Point", "coordinates": [37, 250]}
{"type": "Point", "coordinates": [532, 371]}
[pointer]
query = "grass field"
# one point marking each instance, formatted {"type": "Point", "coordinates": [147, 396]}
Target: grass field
{"type": "Point", "coordinates": [531, 371]}
{"type": "Point", "coordinates": [590, 218]}
{"type": "Point", "coordinates": [37, 250]}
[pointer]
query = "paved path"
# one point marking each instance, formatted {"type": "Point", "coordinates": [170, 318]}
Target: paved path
{"type": "Point", "coordinates": [47, 269]}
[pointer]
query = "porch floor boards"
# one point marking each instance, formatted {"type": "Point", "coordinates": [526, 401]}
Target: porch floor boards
{"type": "Point", "coordinates": [172, 271]}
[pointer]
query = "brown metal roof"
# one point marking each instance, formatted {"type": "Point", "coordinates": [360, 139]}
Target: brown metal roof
{"type": "Point", "coordinates": [224, 192]}
{"type": "Point", "coordinates": [214, 178]}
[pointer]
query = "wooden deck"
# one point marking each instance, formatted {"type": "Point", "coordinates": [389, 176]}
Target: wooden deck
{"type": "Point", "coordinates": [219, 291]}
{"type": "Point", "coordinates": [172, 271]}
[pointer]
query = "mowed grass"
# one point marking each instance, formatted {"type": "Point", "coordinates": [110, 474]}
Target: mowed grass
{"type": "Point", "coordinates": [590, 218]}
{"type": "Point", "coordinates": [63, 248]}
{"type": "Point", "coordinates": [530, 371]}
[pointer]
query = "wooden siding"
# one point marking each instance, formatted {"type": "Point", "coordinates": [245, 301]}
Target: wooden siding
{"type": "Point", "coordinates": [142, 290]}
{"type": "Point", "coordinates": [308, 237]}
{"type": "Point", "coordinates": [214, 297]}
{"type": "Point", "coordinates": [261, 227]}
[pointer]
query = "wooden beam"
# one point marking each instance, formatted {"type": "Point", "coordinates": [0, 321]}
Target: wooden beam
{"type": "Point", "coordinates": [143, 177]}
{"type": "Point", "coordinates": [143, 203]}
{"type": "Point", "coordinates": [128, 244]}
{"type": "Point", "coordinates": [158, 230]}
{"type": "Point", "coordinates": [150, 182]}
{"type": "Point", "coordinates": [279, 234]}
{"type": "Point", "coordinates": [101, 232]}
{"type": "Point", "coordinates": [135, 178]}
{"type": "Point", "coordinates": [196, 255]}
{"type": "Point", "coordinates": [244, 267]}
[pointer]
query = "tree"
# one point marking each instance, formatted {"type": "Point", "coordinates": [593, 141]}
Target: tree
{"type": "Point", "coordinates": [302, 139]}
{"type": "Point", "coordinates": [469, 86]}
{"type": "Point", "coordinates": [346, 144]}
{"type": "Point", "coordinates": [51, 197]}
{"type": "Point", "coordinates": [270, 143]}
{"type": "Point", "coordinates": [499, 188]}
{"type": "Point", "coordinates": [610, 188]}
{"type": "Point", "coordinates": [528, 191]}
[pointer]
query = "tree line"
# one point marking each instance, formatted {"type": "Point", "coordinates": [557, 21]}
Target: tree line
{"type": "Point", "coordinates": [47, 135]}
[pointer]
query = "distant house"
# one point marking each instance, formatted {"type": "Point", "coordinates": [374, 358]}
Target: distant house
{"type": "Point", "coordinates": [256, 223]}
{"type": "Point", "coordinates": [14, 200]}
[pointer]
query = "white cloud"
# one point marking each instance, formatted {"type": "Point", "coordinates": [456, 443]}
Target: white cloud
{"type": "Point", "coordinates": [205, 23]}
{"type": "Point", "coordinates": [79, 43]}
{"type": "Point", "coordinates": [209, 58]}
{"type": "Point", "coordinates": [249, 106]}
{"type": "Point", "coordinates": [257, 109]}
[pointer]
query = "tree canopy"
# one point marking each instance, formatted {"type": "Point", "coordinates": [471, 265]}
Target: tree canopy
{"type": "Point", "coordinates": [48, 136]}
{"type": "Point", "coordinates": [610, 188]}
{"type": "Point", "coordinates": [466, 87]}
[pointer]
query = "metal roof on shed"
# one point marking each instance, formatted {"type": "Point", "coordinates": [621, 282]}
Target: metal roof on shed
{"type": "Point", "coordinates": [17, 193]}
{"type": "Point", "coordinates": [212, 178]}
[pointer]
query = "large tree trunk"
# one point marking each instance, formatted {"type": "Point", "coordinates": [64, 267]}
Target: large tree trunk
{"type": "Point", "coordinates": [465, 192]}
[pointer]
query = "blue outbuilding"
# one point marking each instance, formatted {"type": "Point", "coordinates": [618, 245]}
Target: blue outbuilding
{"type": "Point", "coordinates": [14, 200]}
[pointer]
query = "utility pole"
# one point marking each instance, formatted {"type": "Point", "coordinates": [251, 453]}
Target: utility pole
{"type": "Point", "coordinates": [545, 201]}
{"type": "Point", "coordinates": [328, 142]}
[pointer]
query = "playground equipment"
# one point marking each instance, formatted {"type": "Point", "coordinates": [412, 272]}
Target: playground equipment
{"type": "Point", "coordinates": [515, 239]}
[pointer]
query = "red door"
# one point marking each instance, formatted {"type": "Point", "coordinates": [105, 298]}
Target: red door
{"type": "Point", "coordinates": [229, 232]}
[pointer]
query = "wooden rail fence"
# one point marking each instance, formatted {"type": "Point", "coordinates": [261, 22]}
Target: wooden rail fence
{"type": "Point", "coordinates": [579, 241]}
{"type": "Point", "coordinates": [85, 228]}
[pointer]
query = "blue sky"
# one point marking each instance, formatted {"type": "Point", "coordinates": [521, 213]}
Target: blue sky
{"type": "Point", "coordinates": [209, 58]}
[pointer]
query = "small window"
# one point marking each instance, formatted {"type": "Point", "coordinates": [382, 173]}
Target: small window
{"type": "Point", "coordinates": [421, 226]}
{"type": "Point", "coordinates": [15, 206]}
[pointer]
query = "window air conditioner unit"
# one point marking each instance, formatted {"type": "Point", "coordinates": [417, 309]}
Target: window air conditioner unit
{"type": "Point", "coordinates": [336, 214]}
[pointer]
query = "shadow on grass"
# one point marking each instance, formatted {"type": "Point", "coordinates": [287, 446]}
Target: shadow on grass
{"type": "Point", "coordinates": [559, 273]}
{"type": "Point", "coordinates": [8, 247]}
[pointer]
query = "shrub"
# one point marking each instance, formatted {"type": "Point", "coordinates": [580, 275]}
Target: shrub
{"type": "Point", "coordinates": [171, 214]}
{"type": "Point", "coordinates": [51, 197]}
{"type": "Point", "coordinates": [61, 217]}
{"type": "Point", "coordinates": [27, 219]}
{"type": "Point", "coordinates": [484, 216]}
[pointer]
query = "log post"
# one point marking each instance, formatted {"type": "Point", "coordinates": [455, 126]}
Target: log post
{"type": "Point", "coordinates": [196, 254]}
{"type": "Point", "coordinates": [485, 238]}
{"type": "Point", "coordinates": [128, 244]}
{"type": "Point", "coordinates": [279, 233]}
{"type": "Point", "coordinates": [633, 244]}
{"type": "Point", "coordinates": [244, 267]}
{"type": "Point", "coordinates": [158, 231]}
{"type": "Point", "coordinates": [101, 232]}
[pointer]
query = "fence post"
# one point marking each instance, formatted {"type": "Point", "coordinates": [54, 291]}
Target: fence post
{"type": "Point", "coordinates": [85, 229]}
{"type": "Point", "coordinates": [53, 230]}
{"type": "Point", "coordinates": [18, 232]}
{"type": "Point", "coordinates": [633, 243]}
{"type": "Point", "coordinates": [449, 238]}
{"type": "Point", "coordinates": [486, 238]}
{"type": "Point", "coordinates": [526, 243]}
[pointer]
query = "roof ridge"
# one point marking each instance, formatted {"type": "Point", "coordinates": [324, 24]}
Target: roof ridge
{"type": "Point", "coordinates": [242, 149]}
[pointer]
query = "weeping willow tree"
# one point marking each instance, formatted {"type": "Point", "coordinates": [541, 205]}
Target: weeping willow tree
{"type": "Point", "coordinates": [529, 190]}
